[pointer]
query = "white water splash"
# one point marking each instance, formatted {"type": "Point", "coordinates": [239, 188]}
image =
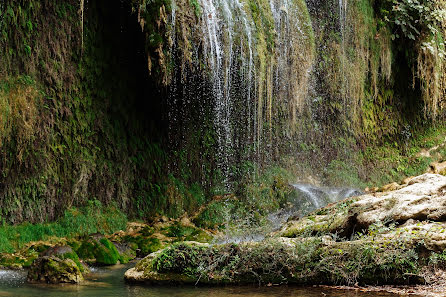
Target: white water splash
{"type": "Point", "coordinates": [321, 196]}
{"type": "Point", "coordinates": [307, 199]}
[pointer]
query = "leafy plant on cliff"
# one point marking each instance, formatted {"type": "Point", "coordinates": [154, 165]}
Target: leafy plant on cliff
{"type": "Point", "coordinates": [413, 17]}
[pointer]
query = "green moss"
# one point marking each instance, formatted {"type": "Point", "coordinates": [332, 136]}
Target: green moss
{"type": "Point", "coordinates": [108, 255]}
{"type": "Point", "coordinates": [213, 216]}
{"type": "Point", "coordinates": [76, 221]}
{"type": "Point", "coordinates": [102, 252]}
{"type": "Point", "coordinates": [186, 233]}
{"type": "Point", "coordinates": [128, 255]}
{"type": "Point", "coordinates": [54, 270]}
{"type": "Point", "coordinates": [86, 250]}
{"type": "Point", "coordinates": [146, 245]}
{"type": "Point", "coordinates": [178, 230]}
{"type": "Point", "coordinates": [196, 6]}
{"type": "Point", "coordinates": [199, 235]}
{"type": "Point", "coordinates": [340, 173]}
{"type": "Point", "coordinates": [16, 262]}
{"type": "Point", "coordinates": [149, 245]}
{"type": "Point", "coordinates": [73, 256]}
{"type": "Point", "coordinates": [300, 261]}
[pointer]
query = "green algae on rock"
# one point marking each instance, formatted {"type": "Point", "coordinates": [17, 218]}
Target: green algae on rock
{"type": "Point", "coordinates": [99, 251]}
{"type": "Point", "coordinates": [53, 270]}
{"type": "Point", "coordinates": [65, 252]}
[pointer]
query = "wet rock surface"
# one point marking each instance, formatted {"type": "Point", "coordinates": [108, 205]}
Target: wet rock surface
{"type": "Point", "coordinates": [393, 237]}
{"type": "Point", "coordinates": [422, 199]}
{"type": "Point", "coordinates": [53, 270]}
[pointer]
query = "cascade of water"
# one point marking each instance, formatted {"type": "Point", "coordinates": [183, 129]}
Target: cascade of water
{"type": "Point", "coordinates": [316, 200]}
{"type": "Point", "coordinates": [280, 10]}
{"type": "Point", "coordinates": [245, 61]}
{"type": "Point", "coordinates": [342, 25]}
{"type": "Point", "coordinates": [248, 62]}
{"type": "Point", "coordinates": [213, 48]}
{"type": "Point", "coordinates": [221, 19]}
{"type": "Point", "coordinates": [172, 44]}
{"type": "Point", "coordinates": [320, 196]}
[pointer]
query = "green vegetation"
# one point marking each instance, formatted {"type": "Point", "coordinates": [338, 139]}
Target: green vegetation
{"type": "Point", "coordinates": [148, 245]}
{"type": "Point", "coordinates": [99, 252]}
{"type": "Point", "coordinates": [415, 17]}
{"type": "Point", "coordinates": [76, 221]}
{"type": "Point", "coordinates": [303, 261]}
{"type": "Point", "coordinates": [390, 161]}
{"type": "Point", "coordinates": [256, 197]}
{"type": "Point", "coordinates": [73, 256]}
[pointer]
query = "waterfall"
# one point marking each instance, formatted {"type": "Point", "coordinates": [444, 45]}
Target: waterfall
{"type": "Point", "coordinates": [223, 20]}
{"type": "Point", "coordinates": [253, 62]}
{"type": "Point", "coordinates": [342, 27]}
{"type": "Point", "coordinates": [213, 48]}
{"type": "Point", "coordinates": [318, 197]}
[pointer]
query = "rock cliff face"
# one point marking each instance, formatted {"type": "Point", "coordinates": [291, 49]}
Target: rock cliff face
{"type": "Point", "coordinates": [156, 105]}
{"type": "Point", "coordinates": [397, 236]}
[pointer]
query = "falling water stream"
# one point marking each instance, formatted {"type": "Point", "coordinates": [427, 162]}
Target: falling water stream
{"type": "Point", "coordinates": [305, 199]}
{"type": "Point", "coordinates": [246, 57]}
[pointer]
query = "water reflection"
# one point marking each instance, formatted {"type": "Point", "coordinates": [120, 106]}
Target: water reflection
{"type": "Point", "coordinates": [109, 282]}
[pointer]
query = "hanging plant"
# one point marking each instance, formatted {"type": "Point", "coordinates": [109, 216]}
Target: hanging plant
{"type": "Point", "coordinates": [413, 17]}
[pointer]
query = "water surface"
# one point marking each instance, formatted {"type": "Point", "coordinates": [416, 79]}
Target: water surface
{"type": "Point", "coordinates": [109, 282]}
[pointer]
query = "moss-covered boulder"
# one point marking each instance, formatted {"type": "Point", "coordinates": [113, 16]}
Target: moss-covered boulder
{"type": "Point", "coordinates": [53, 270]}
{"type": "Point", "coordinates": [99, 251]}
{"type": "Point", "coordinates": [15, 261]}
{"type": "Point", "coordinates": [127, 251]}
{"type": "Point", "coordinates": [142, 240]}
{"type": "Point", "coordinates": [279, 261]}
{"type": "Point", "coordinates": [186, 232]}
{"type": "Point", "coordinates": [146, 269]}
{"type": "Point", "coordinates": [66, 252]}
{"type": "Point", "coordinates": [309, 261]}
{"type": "Point", "coordinates": [145, 245]}
{"type": "Point", "coordinates": [24, 257]}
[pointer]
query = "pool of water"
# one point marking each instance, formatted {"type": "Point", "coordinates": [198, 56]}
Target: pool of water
{"type": "Point", "coordinates": [109, 282]}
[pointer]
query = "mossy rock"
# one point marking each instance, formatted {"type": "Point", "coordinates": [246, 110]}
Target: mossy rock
{"type": "Point", "coordinates": [199, 235]}
{"type": "Point", "coordinates": [178, 230]}
{"type": "Point", "coordinates": [282, 260]}
{"type": "Point", "coordinates": [99, 252]}
{"type": "Point", "coordinates": [65, 252]}
{"type": "Point", "coordinates": [186, 233]}
{"type": "Point", "coordinates": [127, 251]}
{"type": "Point", "coordinates": [53, 270]}
{"type": "Point", "coordinates": [23, 258]}
{"type": "Point", "coordinates": [143, 245]}
{"type": "Point", "coordinates": [11, 261]}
